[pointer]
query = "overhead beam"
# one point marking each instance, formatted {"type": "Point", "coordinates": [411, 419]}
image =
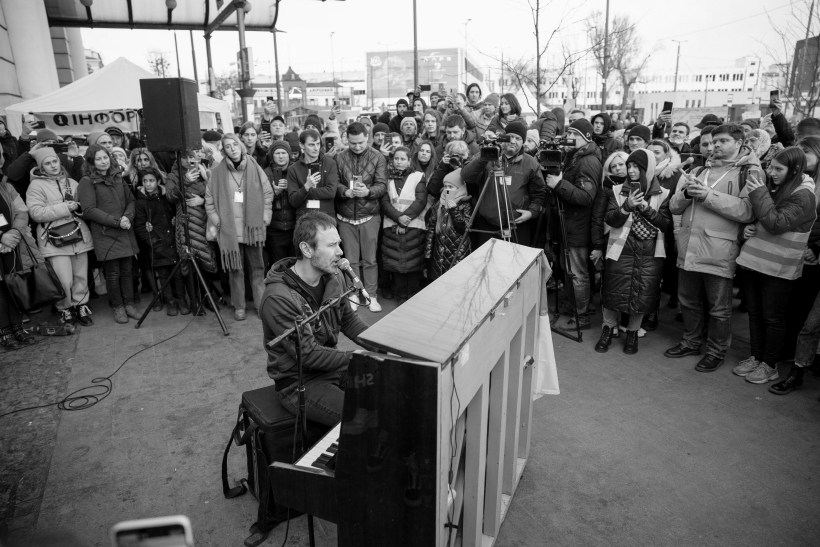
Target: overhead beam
{"type": "Point", "coordinates": [224, 14]}
{"type": "Point", "coordinates": [74, 23]}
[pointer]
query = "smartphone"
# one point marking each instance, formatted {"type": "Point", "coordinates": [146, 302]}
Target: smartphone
{"type": "Point", "coordinates": [667, 106]}
{"type": "Point", "coordinates": [774, 96]}
{"type": "Point", "coordinates": [155, 532]}
{"type": "Point", "coordinates": [269, 98]}
{"type": "Point", "coordinates": [38, 124]}
{"type": "Point", "coordinates": [329, 143]}
{"type": "Point", "coordinates": [441, 88]}
{"type": "Point", "coordinates": [357, 179]}
{"type": "Point", "coordinates": [425, 87]}
{"type": "Point", "coordinates": [264, 126]}
{"type": "Point", "coordinates": [59, 147]}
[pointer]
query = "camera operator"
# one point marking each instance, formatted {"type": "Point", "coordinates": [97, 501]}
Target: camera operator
{"type": "Point", "coordinates": [523, 184]}
{"type": "Point", "coordinates": [576, 188]}
{"type": "Point", "coordinates": [295, 288]}
{"type": "Point", "coordinates": [455, 130]}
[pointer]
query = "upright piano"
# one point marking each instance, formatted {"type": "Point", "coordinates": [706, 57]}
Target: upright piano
{"type": "Point", "coordinates": [435, 433]}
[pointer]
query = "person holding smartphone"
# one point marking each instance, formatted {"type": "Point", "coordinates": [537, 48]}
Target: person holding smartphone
{"type": "Point", "coordinates": [313, 180]}
{"type": "Point", "coordinates": [19, 171]}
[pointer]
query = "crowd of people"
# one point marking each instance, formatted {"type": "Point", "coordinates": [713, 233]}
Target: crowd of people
{"type": "Point", "coordinates": [632, 211]}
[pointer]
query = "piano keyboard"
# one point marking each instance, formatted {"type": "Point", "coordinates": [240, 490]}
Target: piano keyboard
{"type": "Point", "coordinates": [322, 455]}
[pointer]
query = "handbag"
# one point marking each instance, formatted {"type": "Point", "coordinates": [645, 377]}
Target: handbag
{"type": "Point", "coordinates": [64, 234]}
{"type": "Point", "coordinates": [35, 287]}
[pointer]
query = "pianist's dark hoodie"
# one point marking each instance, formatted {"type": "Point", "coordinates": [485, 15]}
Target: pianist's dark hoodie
{"type": "Point", "coordinates": [286, 298]}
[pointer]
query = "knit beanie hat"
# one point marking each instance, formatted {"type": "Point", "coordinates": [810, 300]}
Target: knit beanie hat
{"type": "Point", "coordinates": [212, 136]}
{"type": "Point", "coordinates": [492, 98]}
{"type": "Point", "coordinates": [454, 178]}
{"type": "Point", "coordinates": [532, 135]}
{"type": "Point", "coordinates": [384, 117]}
{"type": "Point", "coordinates": [42, 154]}
{"type": "Point", "coordinates": [640, 158]}
{"type": "Point", "coordinates": [114, 131]}
{"type": "Point", "coordinates": [583, 128]}
{"type": "Point", "coordinates": [119, 149]}
{"type": "Point", "coordinates": [517, 128]}
{"type": "Point", "coordinates": [750, 122]}
{"type": "Point", "coordinates": [641, 131]}
{"type": "Point", "coordinates": [367, 121]}
{"type": "Point", "coordinates": [381, 128]}
{"type": "Point", "coordinates": [93, 137]}
{"type": "Point", "coordinates": [315, 121]}
{"type": "Point", "coordinates": [279, 144]}
{"type": "Point", "coordinates": [402, 101]}
{"type": "Point", "coordinates": [47, 135]}
{"type": "Point", "coordinates": [409, 121]}
{"type": "Point", "coordinates": [293, 141]}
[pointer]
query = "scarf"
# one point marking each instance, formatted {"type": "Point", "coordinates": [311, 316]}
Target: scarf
{"type": "Point", "coordinates": [253, 208]}
{"type": "Point", "coordinates": [460, 194]}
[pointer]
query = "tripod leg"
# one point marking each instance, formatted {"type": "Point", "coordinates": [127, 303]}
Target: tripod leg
{"type": "Point", "coordinates": [158, 294]}
{"type": "Point", "coordinates": [469, 225]}
{"type": "Point", "coordinates": [210, 298]}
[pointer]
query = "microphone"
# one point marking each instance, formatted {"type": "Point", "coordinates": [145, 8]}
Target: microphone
{"type": "Point", "coordinates": [344, 265]}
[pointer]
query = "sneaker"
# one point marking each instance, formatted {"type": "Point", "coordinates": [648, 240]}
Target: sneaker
{"type": "Point", "coordinates": [172, 310]}
{"type": "Point", "coordinates": [374, 306]}
{"type": "Point", "coordinates": [119, 315]}
{"type": "Point", "coordinates": [745, 366]}
{"type": "Point", "coordinates": [66, 315]}
{"type": "Point", "coordinates": [83, 315]}
{"type": "Point", "coordinates": [239, 314]}
{"type": "Point", "coordinates": [762, 374]}
{"type": "Point", "coordinates": [131, 311]}
{"type": "Point", "coordinates": [24, 337]}
{"type": "Point", "coordinates": [641, 332]}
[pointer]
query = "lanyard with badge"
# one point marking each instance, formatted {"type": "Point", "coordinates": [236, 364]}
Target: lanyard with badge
{"type": "Point", "coordinates": [238, 197]}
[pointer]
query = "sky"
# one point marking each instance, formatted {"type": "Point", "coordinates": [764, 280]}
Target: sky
{"type": "Point", "coordinates": [715, 33]}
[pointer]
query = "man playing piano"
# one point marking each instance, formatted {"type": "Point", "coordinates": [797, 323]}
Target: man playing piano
{"type": "Point", "coordinates": [295, 288]}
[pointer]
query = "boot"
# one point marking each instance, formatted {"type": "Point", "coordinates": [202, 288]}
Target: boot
{"type": "Point", "coordinates": [119, 315]}
{"type": "Point", "coordinates": [173, 309]}
{"type": "Point", "coordinates": [603, 343]}
{"type": "Point", "coordinates": [631, 345]}
{"type": "Point", "coordinates": [131, 311]}
{"type": "Point", "coordinates": [793, 381]}
{"type": "Point", "coordinates": [650, 322]}
{"type": "Point", "coordinates": [157, 305]}
{"type": "Point", "coordinates": [183, 307]}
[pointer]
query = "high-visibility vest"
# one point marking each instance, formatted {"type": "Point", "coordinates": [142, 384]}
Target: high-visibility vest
{"type": "Point", "coordinates": [402, 201]}
{"type": "Point", "coordinates": [778, 255]}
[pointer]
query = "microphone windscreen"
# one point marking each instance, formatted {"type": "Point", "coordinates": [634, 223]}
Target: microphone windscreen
{"type": "Point", "coordinates": [343, 264]}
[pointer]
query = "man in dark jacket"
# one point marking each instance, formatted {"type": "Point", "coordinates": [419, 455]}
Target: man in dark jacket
{"type": "Point", "coordinates": [547, 125]}
{"type": "Point", "coordinates": [295, 288]}
{"type": "Point", "coordinates": [395, 121]}
{"type": "Point", "coordinates": [362, 181]}
{"type": "Point", "coordinates": [313, 180]}
{"type": "Point", "coordinates": [576, 188]}
{"type": "Point", "coordinates": [456, 130]}
{"type": "Point", "coordinates": [518, 196]}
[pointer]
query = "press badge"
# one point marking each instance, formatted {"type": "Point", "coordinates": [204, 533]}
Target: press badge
{"type": "Point", "coordinates": [313, 204]}
{"type": "Point", "coordinates": [238, 197]}
{"type": "Point", "coordinates": [508, 180]}
{"type": "Point", "coordinates": [3, 221]}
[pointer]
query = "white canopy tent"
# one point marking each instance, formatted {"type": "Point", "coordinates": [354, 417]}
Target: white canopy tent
{"type": "Point", "coordinates": [105, 98]}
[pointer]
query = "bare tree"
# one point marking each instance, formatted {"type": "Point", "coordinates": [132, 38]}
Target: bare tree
{"type": "Point", "coordinates": [625, 56]}
{"type": "Point", "coordinates": [800, 68]}
{"type": "Point", "coordinates": [226, 82]}
{"type": "Point", "coordinates": [530, 73]}
{"type": "Point", "coordinates": [571, 77]}
{"type": "Point", "coordinates": [158, 63]}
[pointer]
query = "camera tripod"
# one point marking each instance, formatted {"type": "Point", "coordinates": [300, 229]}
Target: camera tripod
{"type": "Point", "coordinates": [185, 254]}
{"type": "Point", "coordinates": [568, 275]}
{"type": "Point", "coordinates": [495, 176]}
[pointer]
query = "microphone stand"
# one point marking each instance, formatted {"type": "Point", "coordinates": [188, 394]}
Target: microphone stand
{"type": "Point", "coordinates": [295, 334]}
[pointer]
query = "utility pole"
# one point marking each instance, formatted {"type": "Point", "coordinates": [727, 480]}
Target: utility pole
{"type": "Point", "coordinates": [278, 84]}
{"type": "Point", "coordinates": [605, 71]}
{"type": "Point", "coordinates": [465, 54]}
{"type": "Point", "coordinates": [176, 47]}
{"type": "Point", "coordinates": [333, 67]}
{"type": "Point", "coordinates": [677, 64]}
{"type": "Point", "coordinates": [502, 71]}
{"type": "Point", "coordinates": [193, 55]}
{"type": "Point", "coordinates": [803, 60]}
{"type": "Point", "coordinates": [415, 50]}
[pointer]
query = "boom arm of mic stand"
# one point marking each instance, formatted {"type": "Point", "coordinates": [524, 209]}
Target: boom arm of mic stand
{"type": "Point", "coordinates": [309, 318]}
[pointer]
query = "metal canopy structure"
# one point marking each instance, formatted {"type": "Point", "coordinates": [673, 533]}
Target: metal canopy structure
{"type": "Point", "coordinates": [204, 15]}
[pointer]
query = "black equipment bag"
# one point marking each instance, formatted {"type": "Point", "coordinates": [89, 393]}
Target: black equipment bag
{"type": "Point", "coordinates": [266, 430]}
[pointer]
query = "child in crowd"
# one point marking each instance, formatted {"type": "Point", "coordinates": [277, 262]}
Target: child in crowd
{"type": "Point", "coordinates": [446, 224]}
{"type": "Point", "coordinates": [155, 228]}
{"type": "Point", "coordinates": [403, 207]}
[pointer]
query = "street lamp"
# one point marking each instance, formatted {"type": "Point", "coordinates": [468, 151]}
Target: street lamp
{"type": "Point", "coordinates": [465, 53]}
{"type": "Point", "coordinates": [333, 66]}
{"type": "Point", "coordinates": [387, 64]}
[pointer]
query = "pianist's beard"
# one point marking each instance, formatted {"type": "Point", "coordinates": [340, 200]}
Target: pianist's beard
{"type": "Point", "coordinates": [325, 264]}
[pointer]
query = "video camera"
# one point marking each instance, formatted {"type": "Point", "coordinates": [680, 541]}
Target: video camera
{"type": "Point", "coordinates": [552, 152]}
{"type": "Point", "coordinates": [491, 146]}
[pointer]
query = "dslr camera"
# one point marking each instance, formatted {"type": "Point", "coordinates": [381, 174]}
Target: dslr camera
{"type": "Point", "coordinates": [553, 152]}
{"type": "Point", "coordinates": [491, 147]}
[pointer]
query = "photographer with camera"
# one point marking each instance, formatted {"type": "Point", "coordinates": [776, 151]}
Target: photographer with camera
{"type": "Point", "coordinates": [455, 130]}
{"type": "Point", "coordinates": [576, 188]}
{"type": "Point", "coordinates": [456, 104]}
{"type": "Point", "coordinates": [520, 196]}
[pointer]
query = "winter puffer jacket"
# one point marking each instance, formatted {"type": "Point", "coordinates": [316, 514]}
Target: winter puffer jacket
{"type": "Point", "coordinates": [46, 205]}
{"type": "Point", "coordinates": [372, 167]}
{"type": "Point", "coordinates": [632, 284]}
{"type": "Point", "coordinates": [197, 220]}
{"type": "Point", "coordinates": [598, 237]}
{"type": "Point", "coordinates": [285, 299]}
{"type": "Point", "coordinates": [442, 245]}
{"type": "Point", "coordinates": [526, 191]}
{"type": "Point", "coordinates": [403, 253]}
{"type": "Point", "coordinates": [325, 193]}
{"type": "Point", "coordinates": [607, 144]}
{"type": "Point", "coordinates": [577, 189]}
{"type": "Point", "coordinates": [105, 199]}
{"type": "Point", "coordinates": [19, 171]}
{"type": "Point", "coordinates": [283, 214]}
{"type": "Point", "coordinates": [160, 241]}
{"type": "Point", "coordinates": [546, 125]}
{"type": "Point", "coordinates": [9, 149]}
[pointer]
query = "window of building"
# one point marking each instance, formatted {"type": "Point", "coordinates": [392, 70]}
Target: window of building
{"type": "Point", "coordinates": [687, 103]}
{"type": "Point", "coordinates": [698, 103]}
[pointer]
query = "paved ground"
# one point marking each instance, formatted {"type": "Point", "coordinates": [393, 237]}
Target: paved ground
{"type": "Point", "coordinates": [635, 451]}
